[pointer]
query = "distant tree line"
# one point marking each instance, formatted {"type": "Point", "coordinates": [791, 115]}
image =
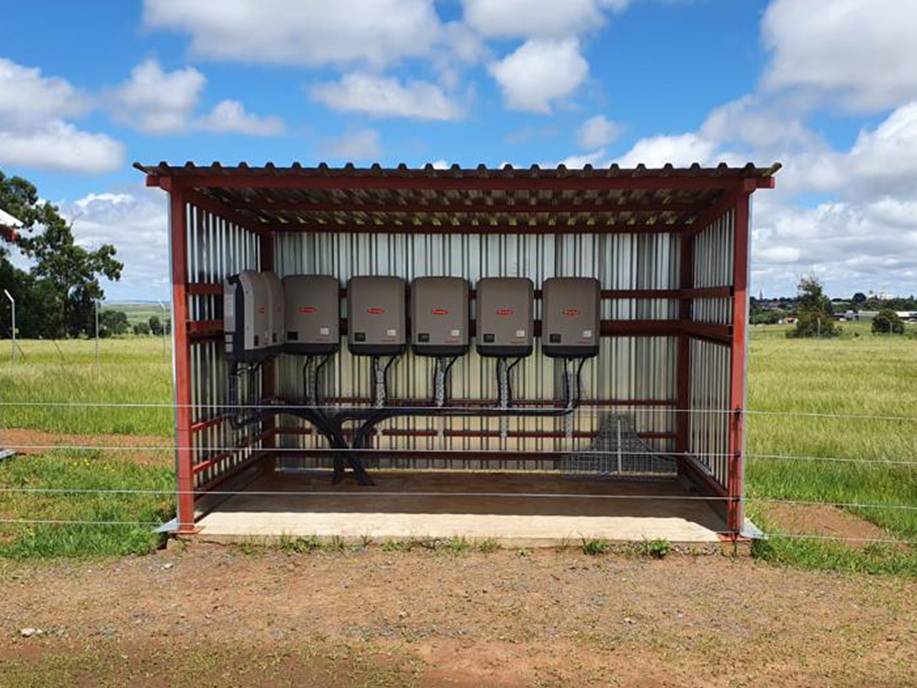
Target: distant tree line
{"type": "Point", "coordinates": [56, 297]}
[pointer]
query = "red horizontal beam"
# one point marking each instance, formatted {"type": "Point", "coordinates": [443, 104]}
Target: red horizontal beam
{"type": "Point", "coordinates": [200, 426]}
{"type": "Point", "coordinates": [466, 208]}
{"type": "Point", "coordinates": [214, 289]}
{"type": "Point", "coordinates": [359, 401]}
{"type": "Point", "coordinates": [523, 228]}
{"type": "Point", "coordinates": [254, 180]}
{"type": "Point", "coordinates": [198, 329]}
{"type": "Point", "coordinates": [205, 289]}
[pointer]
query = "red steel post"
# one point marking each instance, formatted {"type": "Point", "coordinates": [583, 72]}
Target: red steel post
{"type": "Point", "coordinates": [268, 370]}
{"type": "Point", "coordinates": [738, 352]}
{"type": "Point", "coordinates": [181, 366]}
{"type": "Point", "coordinates": [683, 371]}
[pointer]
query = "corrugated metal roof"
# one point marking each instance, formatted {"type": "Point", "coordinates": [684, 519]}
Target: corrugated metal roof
{"type": "Point", "coordinates": [321, 198]}
{"type": "Point", "coordinates": [8, 220]}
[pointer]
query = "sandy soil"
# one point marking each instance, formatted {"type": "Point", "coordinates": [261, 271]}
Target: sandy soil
{"type": "Point", "coordinates": [824, 519]}
{"type": "Point", "coordinates": [143, 449]}
{"type": "Point", "coordinates": [216, 615]}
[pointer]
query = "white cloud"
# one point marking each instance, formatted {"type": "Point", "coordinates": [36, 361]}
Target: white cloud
{"type": "Point", "coordinates": [551, 19]}
{"type": "Point", "coordinates": [359, 145]}
{"type": "Point", "coordinates": [680, 150]}
{"type": "Point", "coordinates": [540, 72]}
{"type": "Point", "coordinates": [301, 32]}
{"type": "Point", "coordinates": [135, 222]}
{"type": "Point", "coordinates": [33, 127]}
{"type": "Point", "coordinates": [26, 97]}
{"type": "Point", "coordinates": [861, 50]}
{"type": "Point", "coordinates": [230, 116]}
{"type": "Point", "coordinates": [597, 131]}
{"type": "Point", "coordinates": [158, 102]}
{"type": "Point", "coordinates": [595, 158]}
{"type": "Point", "coordinates": [386, 97]}
{"type": "Point", "coordinates": [852, 246]}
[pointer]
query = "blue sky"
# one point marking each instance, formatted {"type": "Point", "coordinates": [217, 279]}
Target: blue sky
{"type": "Point", "coordinates": [87, 89]}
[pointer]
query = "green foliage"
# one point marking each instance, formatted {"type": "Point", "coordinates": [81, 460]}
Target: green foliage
{"type": "Point", "coordinates": [107, 524]}
{"type": "Point", "coordinates": [63, 284]}
{"type": "Point", "coordinates": [112, 323]}
{"type": "Point", "coordinates": [155, 325]}
{"type": "Point", "coordinates": [594, 547]}
{"type": "Point", "coordinates": [656, 549]}
{"type": "Point", "coordinates": [141, 329]}
{"type": "Point", "coordinates": [814, 312]}
{"type": "Point", "coordinates": [887, 322]}
{"type": "Point", "coordinates": [767, 317]}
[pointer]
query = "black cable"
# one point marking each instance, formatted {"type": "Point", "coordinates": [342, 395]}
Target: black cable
{"type": "Point", "coordinates": [509, 381]}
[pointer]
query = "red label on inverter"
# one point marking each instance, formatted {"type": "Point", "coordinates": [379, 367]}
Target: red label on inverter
{"type": "Point", "coordinates": [505, 312]}
{"type": "Point", "coordinates": [571, 312]}
{"type": "Point", "coordinates": [375, 310]}
{"type": "Point", "coordinates": [439, 311]}
{"type": "Point", "coordinates": [306, 310]}
{"type": "Point", "coordinates": [262, 309]}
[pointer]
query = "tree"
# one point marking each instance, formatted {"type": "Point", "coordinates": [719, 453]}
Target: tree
{"type": "Point", "coordinates": [887, 322]}
{"type": "Point", "coordinates": [859, 298]}
{"type": "Point", "coordinates": [65, 274]}
{"type": "Point", "coordinates": [814, 311]}
{"type": "Point", "coordinates": [141, 328]}
{"type": "Point", "coordinates": [155, 325]}
{"type": "Point", "coordinates": [113, 322]}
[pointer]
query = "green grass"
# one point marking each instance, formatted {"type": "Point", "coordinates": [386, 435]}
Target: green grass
{"type": "Point", "coordinates": [130, 370]}
{"type": "Point", "coordinates": [865, 375]}
{"type": "Point", "coordinates": [129, 515]}
{"type": "Point", "coordinates": [857, 373]}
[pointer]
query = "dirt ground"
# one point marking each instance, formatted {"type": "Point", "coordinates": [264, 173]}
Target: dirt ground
{"type": "Point", "coordinates": [211, 615]}
{"type": "Point", "coordinates": [141, 449]}
{"type": "Point", "coordinates": [827, 520]}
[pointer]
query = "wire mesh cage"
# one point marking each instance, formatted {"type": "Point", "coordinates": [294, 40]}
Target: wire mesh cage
{"type": "Point", "coordinates": [618, 451]}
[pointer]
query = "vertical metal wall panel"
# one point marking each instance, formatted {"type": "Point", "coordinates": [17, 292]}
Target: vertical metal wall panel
{"type": "Point", "coordinates": [710, 361]}
{"type": "Point", "coordinates": [216, 249]}
{"type": "Point", "coordinates": [627, 368]}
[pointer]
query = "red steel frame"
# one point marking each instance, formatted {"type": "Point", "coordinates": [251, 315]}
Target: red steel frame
{"type": "Point", "coordinates": [736, 198]}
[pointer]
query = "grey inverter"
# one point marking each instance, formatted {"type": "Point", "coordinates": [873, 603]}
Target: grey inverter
{"type": "Point", "coordinates": [505, 318]}
{"type": "Point", "coordinates": [439, 316]}
{"type": "Point", "coordinates": [313, 313]}
{"type": "Point", "coordinates": [246, 327]}
{"type": "Point", "coordinates": [275, 311]}
{"type": "Point", "coordinates": [376, 316]}
{"type": "Point", "coordinates": [570, 317]}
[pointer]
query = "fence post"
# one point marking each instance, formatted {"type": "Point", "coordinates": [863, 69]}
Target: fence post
{"type": "Point", "coordinates": [12, 327]}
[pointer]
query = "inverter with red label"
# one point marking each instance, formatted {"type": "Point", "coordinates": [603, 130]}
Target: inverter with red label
{"type": "Point", "coordinates": [313, 314]}
{"type": "Point", "coordinates": [439, 316]}
{"type": "Point", "coordinates": [505, 316]}
{"type": "Point", "coordinates": [376, 316]}
{"type": "Point", "coordinates": [570, 317]}
{"type": "Point", "coordinates": [246, 317]}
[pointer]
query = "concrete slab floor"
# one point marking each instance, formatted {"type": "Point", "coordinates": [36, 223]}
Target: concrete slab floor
{"type": "Point", "coordinates": [513, 508]}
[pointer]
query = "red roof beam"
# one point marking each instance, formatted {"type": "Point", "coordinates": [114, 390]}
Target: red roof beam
{"type": "Point", "coordinates": [465, 208]}
{"type": "Point", "coordinates": [238, 180]}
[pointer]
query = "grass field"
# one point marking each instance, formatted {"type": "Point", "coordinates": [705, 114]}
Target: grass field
{"type": "Point", "coordinates": [857, 374]}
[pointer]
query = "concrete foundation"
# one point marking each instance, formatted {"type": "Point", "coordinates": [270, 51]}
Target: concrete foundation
{"type": "Point", "coordinates": [514, 509]}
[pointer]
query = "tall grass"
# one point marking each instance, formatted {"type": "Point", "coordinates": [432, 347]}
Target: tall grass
{"type": "Point", "coordinates": [122, 521]}
{"type": "Point", "coordinates": [129, 371]}
{"type": "Point", "coordinates": [862, 375]}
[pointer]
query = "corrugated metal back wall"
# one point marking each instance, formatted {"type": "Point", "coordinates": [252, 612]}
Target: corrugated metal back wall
{"type": "Point", "coordinates": [627, 368]}
{"type": "Point", "coordinates": [710, 361]}
{"type": "Point", "coordinates": [217, 248]}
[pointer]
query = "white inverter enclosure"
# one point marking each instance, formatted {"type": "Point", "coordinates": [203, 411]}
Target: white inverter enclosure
{"type": "Point", "coordinates": [313, 312]}
{"type": "Point", "coordinates": [439, 316]}
{"type": "Point", "coordinates": [246, 323]}
{"type": "Point", "coordinates": [376, 316]}
{"type": "Point", "coordinates": [570, 317]}
{"type": "Point", "coordinates": [505, 316]}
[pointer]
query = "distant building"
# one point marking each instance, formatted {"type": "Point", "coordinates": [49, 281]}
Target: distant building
{"type": "Point", "coordinates": [8, 226]}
